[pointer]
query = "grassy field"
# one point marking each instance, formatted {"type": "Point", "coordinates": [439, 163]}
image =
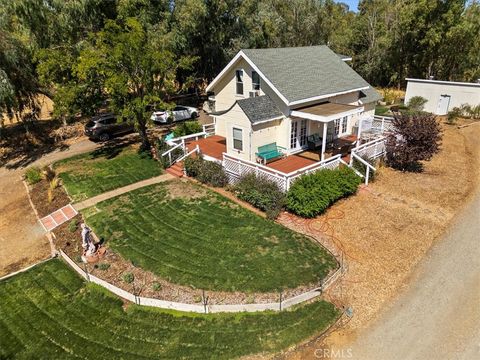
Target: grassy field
{"type": "Point", "coordinates": [49, 313]}
{"type": "Point", "coordinates": [193, 236]}
{"type": "Point", "coordinates": [108, 168]}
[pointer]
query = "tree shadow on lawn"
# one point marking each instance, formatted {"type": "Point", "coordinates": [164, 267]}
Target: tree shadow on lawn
{"type": "Point", "coordinates": [113, 148]}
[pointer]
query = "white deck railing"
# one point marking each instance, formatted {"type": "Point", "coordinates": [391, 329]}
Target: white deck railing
{"type": "Point", "coordinates": [235, 168]}
{"type": "Point", "coordinates": [382, 124]}
{"type": "Point", "coordinates": [209, 129]}
{"type": "Point", "coordinates": [370, 150]}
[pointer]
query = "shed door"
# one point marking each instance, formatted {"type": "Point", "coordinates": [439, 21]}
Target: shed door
{"type": "Point", "coordinates": [443, 102]}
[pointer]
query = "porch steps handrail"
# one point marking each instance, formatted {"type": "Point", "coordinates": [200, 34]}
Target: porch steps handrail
{"type": "Point", "coordinates": [372, 142]}
{"type": "Point", "coordinates": [209, 129]}
{"type": "Point", "coordinates": [195, 149]}
{"type": "Point", "coordinates": [367, 168]}
{"type": "Point", "coordinates": [171, 149]}
{"type": "Point", "coordinates": [182, 139]}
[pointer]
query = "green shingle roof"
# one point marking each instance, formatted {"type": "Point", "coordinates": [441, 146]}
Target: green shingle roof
{"type": "Point", "coordinates": [259, 108]}
{"type": "Point", "coordinates": [300, 73]}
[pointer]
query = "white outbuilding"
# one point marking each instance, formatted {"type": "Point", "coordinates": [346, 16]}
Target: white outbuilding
{"type": "Point", "coordinates": [443, 96]}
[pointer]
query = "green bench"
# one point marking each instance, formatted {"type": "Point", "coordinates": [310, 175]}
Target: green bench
{"type": "Point", "coordinates": [269, 152]}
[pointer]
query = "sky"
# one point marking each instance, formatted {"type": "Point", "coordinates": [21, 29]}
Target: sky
{"type": "Point", "coordinates": [352, 4]}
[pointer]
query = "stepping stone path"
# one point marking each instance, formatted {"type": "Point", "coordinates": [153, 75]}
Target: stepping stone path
{"type": "Point", "coordinates": [58, 217]}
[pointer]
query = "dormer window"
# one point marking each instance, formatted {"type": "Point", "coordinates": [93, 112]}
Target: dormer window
{"type": "Point", "coordinates": [239, 78]}
{"type": "Point", "coordinates": [255, 81]}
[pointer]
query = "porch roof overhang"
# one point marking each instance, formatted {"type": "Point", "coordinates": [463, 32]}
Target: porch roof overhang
{"type": "Point", "coordinates": [326, 112]}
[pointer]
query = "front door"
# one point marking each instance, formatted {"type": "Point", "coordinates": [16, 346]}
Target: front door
{"type": "Point", "coordinates": [443, 102]}
{"type": "Point", "coordinates": [298, 135]}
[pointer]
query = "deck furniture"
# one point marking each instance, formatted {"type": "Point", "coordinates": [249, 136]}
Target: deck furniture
{"type": "Point", "coordinates": [269, 152]}
{"type": "Point", "coordinates": [314, 141]}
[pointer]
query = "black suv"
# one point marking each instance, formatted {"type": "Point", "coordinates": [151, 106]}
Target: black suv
{"type": "Point", "coordinates": [104, 127]}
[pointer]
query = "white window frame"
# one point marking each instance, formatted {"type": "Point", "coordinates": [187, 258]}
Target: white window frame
{"type": "Point", "coordinates": [256, 86]}
{"type": "Point", "coordinates": [241, 82]}
{"type": "Point", "coordinates": [237, 139]}
{"type": "Point", "coordinates": [340, 126]}
{"type": "Point", "coordinates": [344, 124]}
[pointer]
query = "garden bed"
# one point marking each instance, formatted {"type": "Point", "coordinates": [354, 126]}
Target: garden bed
{"type": "Point", "coordinates": [39, 196]}
{"type": "Point", "coordinates": [45, 311]}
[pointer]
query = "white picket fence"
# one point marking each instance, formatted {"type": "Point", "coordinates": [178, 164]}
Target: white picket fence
{"type": "Point", "coordinates": [205, 307]}
{"type": "Point", "coordinates": [236, 167]}
{"type": "Point", "coordinates": [382, 124]}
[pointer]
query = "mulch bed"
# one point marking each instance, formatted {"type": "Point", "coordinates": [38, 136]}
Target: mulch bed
{"type": "Point", "coordinates": [39, 195]}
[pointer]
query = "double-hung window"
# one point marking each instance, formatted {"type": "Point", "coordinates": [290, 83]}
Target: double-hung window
{"type": "Point", "coordinates": [239, 79]}
{"type": "Point", "coordinates": [255, 81]}
{"type": "Point", "coordinates": [237, 139]}
{"type": "Point", "coordinates": [337, 126]}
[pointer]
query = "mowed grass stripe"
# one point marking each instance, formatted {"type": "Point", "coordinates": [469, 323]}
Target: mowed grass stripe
{"type": "Point", "coordinates": [207, 241]}
{"type": "Point", "coordinates": [86, 322]}
{"type": "Point", "coordinates": [91, 174]}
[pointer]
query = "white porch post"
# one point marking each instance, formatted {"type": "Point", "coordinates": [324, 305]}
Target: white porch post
{"type": "Point", "coordinates": [324, 140]}
{"type": "Point", "coordinates": [360, 122]}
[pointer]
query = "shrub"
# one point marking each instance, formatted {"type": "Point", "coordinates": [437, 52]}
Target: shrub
{"type": "Point", "coordinates": [48, 174]}
{"type": "Point", "coordinates": [33, 175]}
{"type": "Point", "coordinates": [453, 115]}
{"type": "Point", "coordinates": [416, 137]}
{"type": "Point", "coordinates": [104, 266]}
{"type": "Point", "coordinates": [260, 192]}
{"type": "Point", "coordinates": [156, 286]}
{"type": "Point", "coordinates": [187, 128]}
{"type": "Point", "coordinates": [161, 147]}
{"type": "Point", "coordinates": [72, 225]}
{"type": "Point", "coordinates": [417, 103]}
{"type": "Point", "coordinates": [128, 277]}
{"type": "Point", "coordinates": [207, 172]}
{"type": "Point", "coordinates": [312, 194]}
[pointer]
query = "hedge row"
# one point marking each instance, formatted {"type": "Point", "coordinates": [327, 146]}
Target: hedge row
{"type": "Point", "coordinates": [260, 192]}
{"type": "Point", "coordinates": [312, 194]}
{"type": "Point", "coordinates": [207, 172]}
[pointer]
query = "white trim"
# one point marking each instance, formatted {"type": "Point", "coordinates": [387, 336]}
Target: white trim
{"type": "Point", "coordinates": [326, 119]}
{"type": "Point", "coordinates": [241, 54]}
{"type": "Point", "coordinates": [299, 102]}
{"type": "Point", "coordinates": [346, 59]}
{"type": "Point", "coordinates": [445, 82]}
{"type": "Point", "coordinates": [268, 120]}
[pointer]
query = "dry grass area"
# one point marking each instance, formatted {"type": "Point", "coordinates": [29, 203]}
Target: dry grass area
{"type": "Point", "coordinates": [389, 226]}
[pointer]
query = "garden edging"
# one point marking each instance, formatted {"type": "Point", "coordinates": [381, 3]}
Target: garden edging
{"type": "Point", "coordinates": [205, 308]}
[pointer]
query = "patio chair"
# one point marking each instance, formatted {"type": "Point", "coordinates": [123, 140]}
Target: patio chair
{"type": "Point", "coordinates": [314, 141]}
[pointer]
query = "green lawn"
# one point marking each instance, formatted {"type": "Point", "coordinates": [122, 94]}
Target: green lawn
{"type": "Point", "coordinates": [50, 313]}
{"type": "Point", "coordinates": [108, 168]}
{"type": "Point", "coordinates": [206, 241]}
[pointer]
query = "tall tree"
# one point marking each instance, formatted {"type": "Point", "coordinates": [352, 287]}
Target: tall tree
{"type": "Point", "coordinates": [135, 68]}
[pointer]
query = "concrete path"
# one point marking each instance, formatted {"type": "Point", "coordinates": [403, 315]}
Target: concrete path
{"type": "Point", "coordinates": [110, 194]}
{"type": "Point", "coordinates": [438, 316]}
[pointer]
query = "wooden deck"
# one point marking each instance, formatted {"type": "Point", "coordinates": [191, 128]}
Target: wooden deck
{"type": "Point", "coordinates": [213, 146]}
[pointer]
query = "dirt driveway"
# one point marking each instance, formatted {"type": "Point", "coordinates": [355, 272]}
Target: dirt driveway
{"type": "Point", "coordinates": [388, 228]}
{"type": "Point", "coordinates": [22, 239]}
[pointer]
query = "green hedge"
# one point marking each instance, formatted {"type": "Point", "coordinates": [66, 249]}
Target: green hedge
{"type": "Point", "coordinates": [207, 172]}
{"type": "Point", "coordinates": [260, 192]}
{"type": "Point", "coordinates": [312, 194]}
{"type": "Point", "coordinates": [187, 128]}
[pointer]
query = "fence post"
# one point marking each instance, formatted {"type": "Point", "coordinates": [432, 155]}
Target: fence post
{"type": "Point", "coordinates": [367, 173]}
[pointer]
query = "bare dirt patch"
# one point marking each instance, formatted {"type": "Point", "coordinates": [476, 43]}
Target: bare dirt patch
{"type": "Point", "coordinates": [184, 190]}
{"type": "Point", "coordinates": [387, 228]}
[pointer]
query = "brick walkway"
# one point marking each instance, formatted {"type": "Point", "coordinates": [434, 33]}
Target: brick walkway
{"type": "Point", "coordinates": [110, 194]}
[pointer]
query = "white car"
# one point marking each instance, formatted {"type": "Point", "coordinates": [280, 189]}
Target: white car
{"type": "Point", "coordinates": [179, 113]}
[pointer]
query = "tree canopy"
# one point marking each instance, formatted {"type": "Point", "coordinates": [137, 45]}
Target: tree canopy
{"type": "Point", "coordinates": [64, 48]}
